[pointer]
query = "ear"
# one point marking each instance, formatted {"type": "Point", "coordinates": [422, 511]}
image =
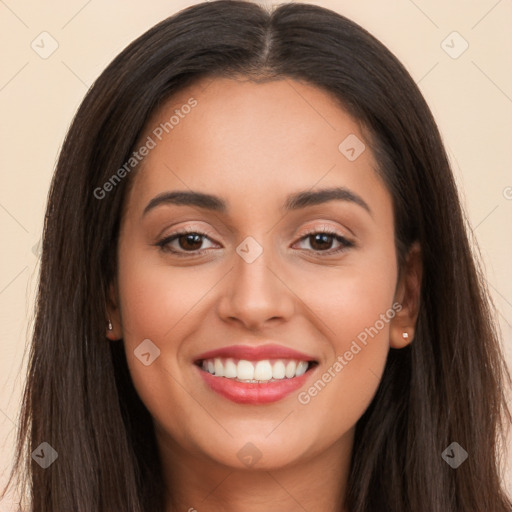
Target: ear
{"type": "Point", "coordinates": [408, 295]}
{"type": "Point", "coordinates": [113, 314]}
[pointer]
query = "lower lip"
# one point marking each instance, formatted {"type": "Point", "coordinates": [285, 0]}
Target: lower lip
{"type": "Point", "coordinates": [252, 393]}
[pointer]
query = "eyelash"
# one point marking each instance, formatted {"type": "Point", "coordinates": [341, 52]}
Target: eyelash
{"type": "Point", "coordinates": [164, 243]}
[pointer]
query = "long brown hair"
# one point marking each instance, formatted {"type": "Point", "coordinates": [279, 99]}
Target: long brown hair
{"type": "Point", "coordinates": [447, 385]}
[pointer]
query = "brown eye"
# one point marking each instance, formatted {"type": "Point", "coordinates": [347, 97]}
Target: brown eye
{"type": "Point", "coordinates": [185, 243]}
{"type": "Point", "coordinates": [322, 240]}
{"type": "Point", "coordinates": [190, 241]}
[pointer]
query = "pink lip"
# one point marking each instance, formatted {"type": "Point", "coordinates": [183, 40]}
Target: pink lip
{"type": "Point", "coordinates": [253, 393]}
{"type": "Point", "coordinates": [250, 353]}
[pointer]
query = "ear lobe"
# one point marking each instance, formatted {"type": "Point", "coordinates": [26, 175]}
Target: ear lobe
{"type": "Point", "coordinates": [113, 315]}
{"type": "Point", "coordinates": [408, 295]}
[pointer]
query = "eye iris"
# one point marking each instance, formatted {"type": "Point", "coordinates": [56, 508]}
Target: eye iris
{"type": "Point", "coordinates": [323, 238]}
{"type": "Point", "coordinates": [193, 238]}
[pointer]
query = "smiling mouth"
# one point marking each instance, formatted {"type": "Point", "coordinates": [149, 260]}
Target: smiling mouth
{"type": "Point", "coordinates": [256, 372]}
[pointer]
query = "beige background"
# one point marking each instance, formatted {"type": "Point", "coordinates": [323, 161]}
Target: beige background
{"type": "Point", "coordinates": [470, 96]}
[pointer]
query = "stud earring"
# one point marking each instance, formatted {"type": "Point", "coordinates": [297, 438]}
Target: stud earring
{"type": "Point", "coordinates": [405, 335]}
{"type": "Point", "coordinates": [109, 325]}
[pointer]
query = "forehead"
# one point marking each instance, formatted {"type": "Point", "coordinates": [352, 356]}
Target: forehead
{"type": "Point", "coordinates": [247, 141]}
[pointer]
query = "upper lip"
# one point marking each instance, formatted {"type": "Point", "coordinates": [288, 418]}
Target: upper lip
{"type": "Point", "coordinates": [256, 353]}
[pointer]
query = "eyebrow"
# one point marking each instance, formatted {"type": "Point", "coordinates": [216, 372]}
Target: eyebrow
{"type": "Point", "coordinates": [295, 201]}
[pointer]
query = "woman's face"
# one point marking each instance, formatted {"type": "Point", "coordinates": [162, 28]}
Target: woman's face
{"type": "Point", "coordinates": [258, 292]}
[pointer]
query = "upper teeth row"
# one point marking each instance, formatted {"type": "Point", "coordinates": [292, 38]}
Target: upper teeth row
{"type": "Point", "coordinates": [263, 370]}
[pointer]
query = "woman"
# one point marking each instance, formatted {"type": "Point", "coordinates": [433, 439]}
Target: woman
{"type": "Point", "coordinates": [333, 345]}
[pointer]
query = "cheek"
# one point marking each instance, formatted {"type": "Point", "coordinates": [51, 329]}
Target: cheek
{"type": "Point", "coordinates": [357, 310]}
{"type": "Point", "coordinates": [157, 303]}
{"type": "Point", "coordinates": [347, 380]}
{"type": "Point", "coordinates": [352, 298]}
{"type": "Point", "coordinates": [156, 298]}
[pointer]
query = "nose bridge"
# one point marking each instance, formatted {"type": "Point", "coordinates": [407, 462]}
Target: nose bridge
{"type": "Point", "coordinates": [253, 276]}
{"type": "Point", "coordinates": [255, 293]}
{"type": "Point", "coordinates": [252, 266]}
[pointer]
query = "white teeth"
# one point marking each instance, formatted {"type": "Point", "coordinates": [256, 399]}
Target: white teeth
{"type": "Point", "coordinates": [245, 370]}
{"type": "Point", "coordinates": [290, 369]}
{"type": "Point", "coordinates": [301, 368]}
{"type": "Point", "coordinates": [230, 369]}
{"type": "Point", "coordinates": [278, 370]}
{"type": "Point", "coordinates": [219, 369]}
{"type": "Point", "coordinates": [257, 371]}
{"type": "Point", "coordinates": [263, 370]}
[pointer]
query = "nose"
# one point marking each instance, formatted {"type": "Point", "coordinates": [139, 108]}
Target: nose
{"type": "Point", "coordinates": [256, 293]}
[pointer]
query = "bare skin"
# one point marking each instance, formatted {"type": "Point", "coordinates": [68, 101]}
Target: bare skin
{"type": "Point", "coordinates": [253, 145]}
